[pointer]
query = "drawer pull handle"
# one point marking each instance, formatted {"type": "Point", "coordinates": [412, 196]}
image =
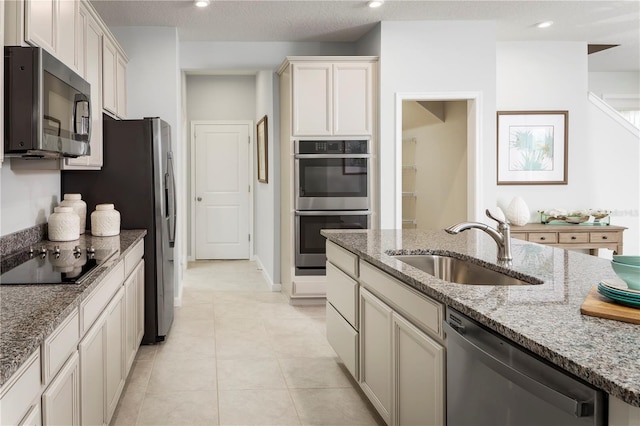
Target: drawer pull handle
{"type": "Point", "coordinates": [573, 237]}
{"type": "Point", "coordinates": [543, 238]}
{"type": "Point", "coordinates": [604, 237]}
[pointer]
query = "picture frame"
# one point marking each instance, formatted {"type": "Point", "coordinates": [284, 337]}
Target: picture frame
{"type": "Point", "coordinates": [532, 147]}
{"type": "Point", "coordinates": [262, 147]}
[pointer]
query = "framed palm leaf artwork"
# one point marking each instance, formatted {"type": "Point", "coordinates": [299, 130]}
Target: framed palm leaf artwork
{"type": "Point", "coordinates": [532, 147]}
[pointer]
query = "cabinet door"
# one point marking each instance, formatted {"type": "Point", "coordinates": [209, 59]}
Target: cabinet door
{"type": "Point", "coordinates": [139, 271]}
{"type": "Point", "coordinates": [418, 376]}
{"type": "Point", "coordinates": [312, 99]}
{"type": "Point", "coordinates": [66, 27]}
{"type": "Point", "coordinates": [61, 400]}
{"type": "Point", "coordinates": [40, 23]}
{"type": "Point", "coordinates": [352, 99]}
{"type": "Point", "coordinates": [92, 350]}
{"type": "Point", "coordinates": [33, 417]}
{"type": "Point", "coordinates": [109, 88]}
{"type": "Point", "coordinates": [132, 304]}
{"type": "Point", "coordinates": [121, 87]}
{"type": "Point", "coordinates": [114, 351]}
{"type": "Point", "coordinates": [92, 58]}
{"type": "Point", "coordinates": [375, 352]}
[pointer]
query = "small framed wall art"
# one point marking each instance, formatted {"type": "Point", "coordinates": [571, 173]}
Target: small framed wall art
{"type": "Point", "coordinates": [532, 147]}
{"type": "Point", "coordinates": [263, 144]}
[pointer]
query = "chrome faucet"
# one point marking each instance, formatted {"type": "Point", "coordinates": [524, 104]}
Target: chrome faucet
{"type": "Point", "coordinates": [502, 236]}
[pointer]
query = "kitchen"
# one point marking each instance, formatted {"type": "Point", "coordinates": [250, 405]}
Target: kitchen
{"type": "Point", "coordinates": [547, 87]}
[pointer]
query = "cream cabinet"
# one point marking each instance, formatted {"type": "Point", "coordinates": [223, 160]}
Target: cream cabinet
{"type": "Point", "coordinates": [50, 24]}
{"type": "Point", "coordinates": [134, 314]}
{"type": "Point", "coordinates": [332, 98]}
{"type": "Point", "coordinates": [92, 350]}
{"type": "Point", "coordinates": [114, 360]}
{"type": "Point", "coordinates": [622, 414]}
{"type": "Point", "coordinates": [20, 395]}
{"type": "Point", "coordinates": [90, 67]}
{"type": "Point", "coordinates": [114, 65]}
{"type": "Point", "coordinates": [61, 399]}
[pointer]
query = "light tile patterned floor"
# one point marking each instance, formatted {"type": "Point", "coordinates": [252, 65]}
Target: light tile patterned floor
{"type": "Point", "coordinates": [239, 354]}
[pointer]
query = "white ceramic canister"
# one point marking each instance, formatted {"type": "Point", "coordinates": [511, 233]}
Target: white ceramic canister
{"type": "Point", "coordinates": [80, 207]}
{"type": "Point", "coordinates": [63, 225]}
{"type": "Point", "coordinates": [105, 221]}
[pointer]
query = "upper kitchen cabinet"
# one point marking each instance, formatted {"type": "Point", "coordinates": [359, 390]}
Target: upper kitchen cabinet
{"type": "Point", "coordinates": [50, 24]}
{"type": "Point", "coordinates": [332, 96]}
{"type": "Point", "coordinates": [114, 68]}
{"type": "Point", "coordinates": [90, 67]}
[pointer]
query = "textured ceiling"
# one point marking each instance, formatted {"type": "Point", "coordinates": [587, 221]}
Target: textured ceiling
{"type": "Point", "coordinates": [594, 22]}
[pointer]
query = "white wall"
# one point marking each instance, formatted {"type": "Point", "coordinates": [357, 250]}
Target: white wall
{"type": "Point", "coordinates": [606, 83]}
{"type": "Point", "coordinates": [549, 76]}
{"type": "Point", "coordinates": [27, 197]}
{"type": "Point", "coordinates": [267, 205]}
{"type": "Point", "coordinates": [430, 56]}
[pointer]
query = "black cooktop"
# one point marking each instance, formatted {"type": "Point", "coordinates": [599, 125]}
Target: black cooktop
{"type": "Point", "coordinates": [52, 265]}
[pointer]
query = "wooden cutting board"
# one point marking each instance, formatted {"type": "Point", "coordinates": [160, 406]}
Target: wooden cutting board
{"type": "Point", "coordinates": [596, 305]}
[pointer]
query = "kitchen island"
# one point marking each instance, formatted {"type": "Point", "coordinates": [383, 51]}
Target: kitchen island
{"type": "Point", "coordinates": [42, 330]}
{"type": "Point", "coordinates": [543, 318]}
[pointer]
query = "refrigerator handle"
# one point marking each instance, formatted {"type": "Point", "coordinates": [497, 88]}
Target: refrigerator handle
{"type": "Point", "coordinates": [170, 199]}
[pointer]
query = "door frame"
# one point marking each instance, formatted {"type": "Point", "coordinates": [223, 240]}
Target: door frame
{"type": "Point", "coordinates": [474, 150]}
{"type": "Point", "coordinates": [192, 201]}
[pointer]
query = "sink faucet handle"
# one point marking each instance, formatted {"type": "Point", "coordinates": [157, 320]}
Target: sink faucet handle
{"type": "Point", "coordinates": [491, 216]}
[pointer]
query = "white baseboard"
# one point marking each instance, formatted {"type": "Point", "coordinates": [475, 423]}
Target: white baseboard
{"type": "Point", "coordinates": [270, 283]}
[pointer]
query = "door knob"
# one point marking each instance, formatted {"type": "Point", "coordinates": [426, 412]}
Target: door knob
{"type": "Point", "coordinates": [199, 198]}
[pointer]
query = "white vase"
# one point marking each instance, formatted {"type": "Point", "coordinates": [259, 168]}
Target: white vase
{"type": "Point", "coordinates": [105, 221]}
{"type": "Point", "coordinates": [63, 225]}
{"type": "Point", "coordinates": [518, 212]}
{"type": "Point", "coordinates": [79, 207]}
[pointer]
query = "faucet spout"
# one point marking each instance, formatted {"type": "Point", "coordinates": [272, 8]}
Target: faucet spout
{"type": "Point", "coordinates": [501, 235]}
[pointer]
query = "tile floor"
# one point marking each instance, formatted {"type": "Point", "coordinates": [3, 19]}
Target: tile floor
{"type": "Point", "coordinates": [239, 354]}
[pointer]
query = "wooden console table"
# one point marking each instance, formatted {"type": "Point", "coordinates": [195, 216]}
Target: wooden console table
{"type": "Point", "coordinates": [572, 236]}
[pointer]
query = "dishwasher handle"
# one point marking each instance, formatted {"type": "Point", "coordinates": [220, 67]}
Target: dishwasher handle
{"type": "Point", "coordinates": [552, 396]}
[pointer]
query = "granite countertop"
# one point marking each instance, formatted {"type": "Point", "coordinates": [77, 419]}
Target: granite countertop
{"type": "Point", "coordinates": [30, 313]}
{"type": "Point", "coordinates": [543, 318]}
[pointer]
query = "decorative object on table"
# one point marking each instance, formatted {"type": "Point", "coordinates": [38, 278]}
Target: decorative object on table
{"type": "Point", "coordinates": [105, 221]}
{"type": "Point", "coordinates": [532, 147]}
{"type": "Point", "coordinates": [630, 274]}
{"type": "Point", "coordinates": [586, 217]}
{"type": "Point", "coordinates": [79, 207]}
{"type": "Point", "coordinates": [518, 212]}
{"type": "Point", "coordinates": [263, 144]}
{"type": "Point", "coordinates": [63, 225]}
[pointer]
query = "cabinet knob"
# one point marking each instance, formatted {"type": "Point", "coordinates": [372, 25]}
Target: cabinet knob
{"type": "Point", "coordinates": [573, 237]}
{"type": "Point", "coordinates": [543, 238]}
{"type": "Point", "coordinates": [604, 237]}
{"type": "Point", "coordinates": [199, 198]}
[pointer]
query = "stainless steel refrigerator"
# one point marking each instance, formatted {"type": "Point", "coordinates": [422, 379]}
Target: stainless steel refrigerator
{"type": "Point", "coordinates": [137, 176]}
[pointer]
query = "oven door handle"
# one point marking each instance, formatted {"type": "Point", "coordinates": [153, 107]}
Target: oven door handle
{"type": "Point", "coordinates": [332, 212]}
{"type": "Point", "coordinates": [325, 156]}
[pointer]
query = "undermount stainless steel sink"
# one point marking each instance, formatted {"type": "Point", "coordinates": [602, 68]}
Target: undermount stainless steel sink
{"type": "Point", "coordinates": [461, 271]}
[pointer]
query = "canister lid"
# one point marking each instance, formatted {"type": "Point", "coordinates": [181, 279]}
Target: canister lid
{"type": "Point", "coordinates": [105, 207]}
{"type": "Point", "coordinates": [72, 196]}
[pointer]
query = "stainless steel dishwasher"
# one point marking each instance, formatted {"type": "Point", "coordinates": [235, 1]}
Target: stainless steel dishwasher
{"type": "Point", "coordinates": [492, 381]}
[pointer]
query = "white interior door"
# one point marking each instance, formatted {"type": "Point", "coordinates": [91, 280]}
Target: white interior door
{"type": "Point", "coordinates": [222, 191]}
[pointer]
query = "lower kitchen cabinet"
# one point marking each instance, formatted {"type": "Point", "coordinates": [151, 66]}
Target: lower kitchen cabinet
{"type": "Point", "coordinates": [375, 352]}
{"type": "Point", "coordinates": [418, 376]}
{"type": "Point", "coordinates": [114, 363]}
{"type": "Point", "coordinates": [61, 400]}
{"type": "Point", "coordinates": [134, 303]}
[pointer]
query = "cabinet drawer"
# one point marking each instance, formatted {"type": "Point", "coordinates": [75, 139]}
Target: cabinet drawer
{"type": "Point", "coordinates": [343, 259]}
{"type": "Point", "coordinates": [604, 237]}
{"type": "Point", "coordinates": [57, 347]}
{"type": "Point", "coordinates": [425, 312]}
{"type": "Point", "coordinates": [342, 293]}
{"type": "Point", "coordinates": [573, 237]}
{"type": "Point", "coordinates": [91, 307]}
{"type": "Point", "coordinates": [21, 392]}
{"type": "Point", "coordinates": [343, 339]}
{"type": "Point", "coordinates": [543, 237]}
{"type": "Point", "coordinates": [133, 257]}
{"type": "Point", "coordinates": [519, 236]}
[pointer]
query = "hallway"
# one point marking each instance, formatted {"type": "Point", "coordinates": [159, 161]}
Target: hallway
{"type": "Point", "coordinates": [239, 354]}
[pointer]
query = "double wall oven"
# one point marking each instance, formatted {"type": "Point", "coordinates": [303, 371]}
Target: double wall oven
{"type": "Point", "coordinates": [332, 191]}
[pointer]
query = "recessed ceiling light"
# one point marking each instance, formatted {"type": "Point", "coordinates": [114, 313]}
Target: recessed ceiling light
{"type": "Point", "coordinates": [545, 24]}
{"type": "Point", "coordinates": [375, 3]}
{"type": "Point", "coordinates": [202, 3]}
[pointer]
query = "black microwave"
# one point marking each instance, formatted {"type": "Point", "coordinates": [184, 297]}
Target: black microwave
{"type": "Point", "coordinates": [47, 106]}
